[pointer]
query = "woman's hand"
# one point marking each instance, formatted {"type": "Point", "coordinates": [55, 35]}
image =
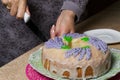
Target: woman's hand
{"type": "Point", "coordinates": [65, 24]}
{"type": "Point", "coordinates": [17, 7]}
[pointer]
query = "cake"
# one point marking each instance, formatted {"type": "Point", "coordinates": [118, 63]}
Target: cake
{"type": "Point", "coordinates": [76, 56]}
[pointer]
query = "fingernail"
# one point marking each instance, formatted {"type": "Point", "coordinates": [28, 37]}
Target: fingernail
{"type": "Point", "coordinates": [53, 29]}
{"type": "Point", "coordinates": [53, 26]}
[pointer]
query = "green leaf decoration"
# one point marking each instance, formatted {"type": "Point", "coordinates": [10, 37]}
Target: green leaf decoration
{"type": "Point", "coordinates": [86, 47]}
{"type": "Point", "coordinates": [65, 47]}
{"type": "Point", "coordinates": [86, 39]}
{"type": "Point", "coordinates": [68, 38]}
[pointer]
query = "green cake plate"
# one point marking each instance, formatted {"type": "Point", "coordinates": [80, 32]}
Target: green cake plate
{"type": "Point", "coordinates": [35, 62]}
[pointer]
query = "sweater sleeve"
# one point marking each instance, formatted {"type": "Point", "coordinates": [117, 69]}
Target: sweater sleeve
{"type": "Point", "coordinates": [77, 6]}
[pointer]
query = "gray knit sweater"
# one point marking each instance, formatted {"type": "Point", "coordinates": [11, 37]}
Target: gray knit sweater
{"type": "Point", "coordinates": [77, 6]}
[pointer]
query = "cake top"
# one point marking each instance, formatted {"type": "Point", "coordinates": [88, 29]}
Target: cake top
{"type": "Point", "coordinates": [75, 44]}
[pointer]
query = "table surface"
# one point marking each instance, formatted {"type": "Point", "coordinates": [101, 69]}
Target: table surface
{"type": "Point", "coordinates": [108, 18]}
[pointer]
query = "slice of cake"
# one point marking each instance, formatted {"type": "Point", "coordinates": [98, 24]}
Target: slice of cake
{"type": "Point", "coordinates": [76, 56]}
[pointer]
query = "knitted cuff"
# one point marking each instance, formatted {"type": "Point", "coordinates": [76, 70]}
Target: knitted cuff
{"type": "Point", "coordinates": [69, 5]}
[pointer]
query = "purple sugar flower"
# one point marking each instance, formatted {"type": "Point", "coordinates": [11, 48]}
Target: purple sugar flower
{"type": "Point", "coordinates": [82, 53]}
{"type": "Point", "coordinates": [99, 44]}
{"type": "Point", "coordinates": [88, 54]}
{"type": "Point", "coordinates": [72, 52]}
{"type": "Point", "coordinates": [77, 52]}
{"type": "Point", "coordinates": [54, 43]}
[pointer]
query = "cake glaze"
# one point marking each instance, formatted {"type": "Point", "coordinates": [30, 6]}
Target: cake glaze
{"type": "Point", "coordinates": [76, 56]}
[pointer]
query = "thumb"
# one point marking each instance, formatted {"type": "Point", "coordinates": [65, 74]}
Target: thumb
{"type": "Point", "coordinates": [52, 31]}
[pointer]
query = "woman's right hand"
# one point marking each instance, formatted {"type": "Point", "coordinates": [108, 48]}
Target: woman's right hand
{"type": "Point", "coordinates": [65, 24]}
{"type": "Point", "coordinates": [17, 7]}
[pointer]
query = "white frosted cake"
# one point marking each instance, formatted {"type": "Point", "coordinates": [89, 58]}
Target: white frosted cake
{"type": "Point", "coordinates": [76, 56]}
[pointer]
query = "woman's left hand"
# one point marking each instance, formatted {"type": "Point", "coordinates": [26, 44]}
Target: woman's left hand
{"type": "Point", "coordinates": [65, 23]}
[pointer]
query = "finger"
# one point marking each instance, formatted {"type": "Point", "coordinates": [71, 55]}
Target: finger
{"type": "Point", "coordinates": [72, 31]}
{"type": "Point", "coordinates": [5, 2]}
{"type": "Point", "coordinates": [27, 10]}
{"type": "Point", "coordinates": [8, 6]}
{"type": "Point", "coordinates": [52, 31]}
{"type": "Point", "coordinates": [14, 7]}
{"type": "Point", "coordinates": [62, 31]}
{"type": "Point", "coordinates": [21, 9]}
{"type": "Point", "coordinates": [58, 25]}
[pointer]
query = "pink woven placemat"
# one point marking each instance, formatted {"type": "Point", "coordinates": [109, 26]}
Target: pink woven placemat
{"type": "Point", "coordinates": [34, 75]}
